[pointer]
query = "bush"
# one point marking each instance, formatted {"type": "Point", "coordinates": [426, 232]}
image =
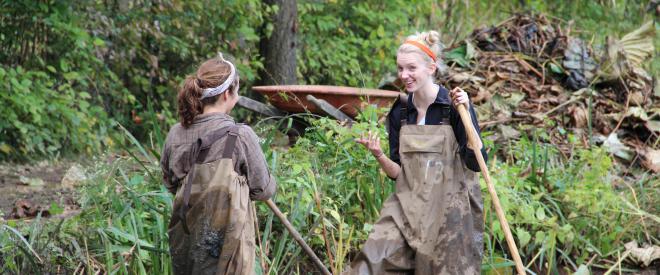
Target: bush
{"type": "Point", "coordinates": [332, 190]}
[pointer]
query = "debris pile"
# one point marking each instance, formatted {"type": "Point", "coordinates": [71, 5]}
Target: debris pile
{"type": "Point", "coordinates": [528, 72]}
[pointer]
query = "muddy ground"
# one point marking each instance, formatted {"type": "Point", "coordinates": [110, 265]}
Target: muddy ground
{"type": "Point", "coordinates": [37, 184]}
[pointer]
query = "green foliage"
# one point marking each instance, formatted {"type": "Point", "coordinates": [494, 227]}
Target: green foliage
{"type": "Point", "coordinates": [351, 173]}
{"type": "Point", "coordinates": [125, 219]}
{"type": "Point", "coordinates": [51, 80]}
{"type": "Point", "coordinates": [354, 43]}
{"type": "Point", "coordinates": [124, 60]}
{"type": "Point", "coordinates": [326, 164]}
{"type": "Point", "coordinates": [69, 70]}
{"type": "Point", "coordinates": [44, 115]}
{"type": "Point", "coordinates": [561, 213]}
{"type": "Point", "coordinates": [70, 67]}
{"type": "Point", "coordinates": [152, 45]}
{"type": "Point", "coordinates": [331, 190]}
{"type": "Point", "coordinates": [122, 226]}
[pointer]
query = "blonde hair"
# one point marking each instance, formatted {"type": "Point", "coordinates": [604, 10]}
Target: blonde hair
{"type": "Point", "coordinates": [430, 39]}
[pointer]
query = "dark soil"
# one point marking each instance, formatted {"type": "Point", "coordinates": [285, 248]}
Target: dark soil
{"type": "Point", "coordinates": [37, 184]}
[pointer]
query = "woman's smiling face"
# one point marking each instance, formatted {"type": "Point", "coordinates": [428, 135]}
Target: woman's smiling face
{"type": "Point", "coordinates": [413, 70]}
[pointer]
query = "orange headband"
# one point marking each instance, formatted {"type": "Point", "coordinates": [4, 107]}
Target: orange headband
{"type": "Point", "coordinates": [422, 47]}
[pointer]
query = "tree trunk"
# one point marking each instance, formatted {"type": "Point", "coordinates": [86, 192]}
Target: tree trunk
{"type": "Point", "coordinates": [279, 50]}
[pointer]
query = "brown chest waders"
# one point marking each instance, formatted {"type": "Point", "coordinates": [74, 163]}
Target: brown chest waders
{"type": "Point", "coordinates": [433, 223]}
{"type": "Point", "coordinates": [212, 226]}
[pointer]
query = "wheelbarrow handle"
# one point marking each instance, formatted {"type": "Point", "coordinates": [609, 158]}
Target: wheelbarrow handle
{"type": "Point", "coordinates": [475, 144]}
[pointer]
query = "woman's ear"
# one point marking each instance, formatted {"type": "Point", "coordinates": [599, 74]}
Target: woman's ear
{"type": "Point", "coordinates": [432, 68]}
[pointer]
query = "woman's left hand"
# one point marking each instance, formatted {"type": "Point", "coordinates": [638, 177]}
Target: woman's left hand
{"type": "Point", "coordinates": [458, 96]}
{"type": "Point", "coordinates": [371, 142]}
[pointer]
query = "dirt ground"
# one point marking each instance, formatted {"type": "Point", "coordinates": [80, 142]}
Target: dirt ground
{"type": "Point", "coordinates": [33, 186]}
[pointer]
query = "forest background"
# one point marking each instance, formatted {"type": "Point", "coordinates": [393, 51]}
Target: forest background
{"type": "Point", "coordinates": [94, 83]}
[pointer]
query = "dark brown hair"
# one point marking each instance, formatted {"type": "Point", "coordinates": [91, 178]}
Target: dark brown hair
{"type": "Point", "coordinates": [211, 73]}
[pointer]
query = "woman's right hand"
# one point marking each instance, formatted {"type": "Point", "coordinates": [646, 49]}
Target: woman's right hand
{"type": "Point", "coordinates": [372, 143]}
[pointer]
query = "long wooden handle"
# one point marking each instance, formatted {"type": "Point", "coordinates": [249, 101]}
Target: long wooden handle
{"type": "Point", "coordinates": [297, 237]}
{"type": "Point", "coordinates": [475, 144]}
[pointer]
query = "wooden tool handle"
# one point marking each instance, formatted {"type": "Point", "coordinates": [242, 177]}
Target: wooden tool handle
{"type": "Point", "coordinates": [473, 137]}
{"type": "Point", "coordinates": [475, 144]}
{"type": "Point", "coordinates": [298, 238]}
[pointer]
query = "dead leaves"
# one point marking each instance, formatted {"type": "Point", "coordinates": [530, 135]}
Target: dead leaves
{"type": "Point", "coordinates": [528, 71]}
{"type": "Point", "coordinates": [24, 208]}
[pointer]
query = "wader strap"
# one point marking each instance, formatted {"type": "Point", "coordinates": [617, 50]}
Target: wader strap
{"type": "Point", "coordinates": [194, 153]}
{"type": "Point", "coordinates": [445, 113]}
{"type": "Point", "coordinates": [230, 144]}
{"type": "Point", "coordinates": [403, 99]}
{"type": "Point", "coordinates": [203, 143]}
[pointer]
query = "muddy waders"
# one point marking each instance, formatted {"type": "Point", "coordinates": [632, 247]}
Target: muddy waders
{"type": "Point", "coordinates": [433, 223]}
{"type": "Point", "coordinates": [212, 226]}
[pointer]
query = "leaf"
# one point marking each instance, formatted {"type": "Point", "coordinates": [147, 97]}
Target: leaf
{"type": "Point", "coordinates": [638, 112]}
{"type": "Point", "coordinates": [523, 236]}
{"type": "Point", "coordinates": [613, 145]}
{"type": "Point", "coordinates": [644, 255]}
{"type": "Point", "coordinates": [582, 270]}
{"type": "Point", "coordinates": [55, 209]}
{"type": "Point", "coordinates": [71, 76]}
{"type": "Point", "coordinates": [137, 179]}
{"type": "Point", "coordinates": [630, 52]}
{"type": "Point", "coordinates": [651, 159]}
{"type": "Point", "coordinates": [539, 237]}
{"type": "Point", "coordinates": [458, 55]}
{"type": "Point", "coordinates": [335, 215]}
{"type": "Point", "coordinates": [295, 169]}
{"type": "Point", "coordinates": [496, 228]}
{"type": "Point", "coordinates": [367, 227]}
{"type": "Point", "coordinates": [5, 148]}
{"type": "Point", "coordinates": [84, 95]}
{"type": "Point", "coordinates": [380, 31]}
{"type": "Point", "coordinates": [131, 238]}
{"type": "Point", "coordinates": [470, 52]}
{"type": "Point", "coordinates": [508, 132]}
{"type": "Point", "coordinates": [528, 213]}
{"type": "Point", "coordinates": [64, 66]}
{"type": "Point", "coordinates": [556, 68]}
{"type": "Point", "coordinates": [653, 125]}
{"type": "Point", "coordinates": [540, 213]}
{"type": "Point", "coordinates": [98, 42]}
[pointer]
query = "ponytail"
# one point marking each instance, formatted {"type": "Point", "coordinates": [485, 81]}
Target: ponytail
{"type": "Point", "coordinates": [189, 105]}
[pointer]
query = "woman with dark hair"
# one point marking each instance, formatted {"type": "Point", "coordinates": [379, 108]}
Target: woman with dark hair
{"type": "Point", "coordinates": [214, 167]}
{"type": "Point", "coordinates": [432, 224]}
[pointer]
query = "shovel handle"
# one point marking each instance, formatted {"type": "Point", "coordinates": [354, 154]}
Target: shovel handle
{"type": "Point", "coordinates": [297, 237]}
{"type": "Point", "coordinates": [475, 144]}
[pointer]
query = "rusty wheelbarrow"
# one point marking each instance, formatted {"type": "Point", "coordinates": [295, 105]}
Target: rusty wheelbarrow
{"type": "Point", "coordinates": [340, 102]}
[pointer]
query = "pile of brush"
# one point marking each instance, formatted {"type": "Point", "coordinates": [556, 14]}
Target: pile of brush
{"type": "Point", "coordinates": [527, 72]}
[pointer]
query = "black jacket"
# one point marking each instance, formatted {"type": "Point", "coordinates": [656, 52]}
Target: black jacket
{"type": "Point", "coordinates": [439, 109]}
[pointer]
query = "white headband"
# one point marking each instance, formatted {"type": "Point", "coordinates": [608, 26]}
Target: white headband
{"type": "Point", "coordinates": [209, 92]}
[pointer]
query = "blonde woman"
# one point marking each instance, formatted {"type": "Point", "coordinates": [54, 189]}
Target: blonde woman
{"type": "Point", "coordinates": [432, 224]}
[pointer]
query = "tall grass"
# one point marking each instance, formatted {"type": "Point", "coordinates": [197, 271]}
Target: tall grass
{"type": "Point", "coordinates": [566, 214]}
{"type": "Point", "coordinates": [122, 227]}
